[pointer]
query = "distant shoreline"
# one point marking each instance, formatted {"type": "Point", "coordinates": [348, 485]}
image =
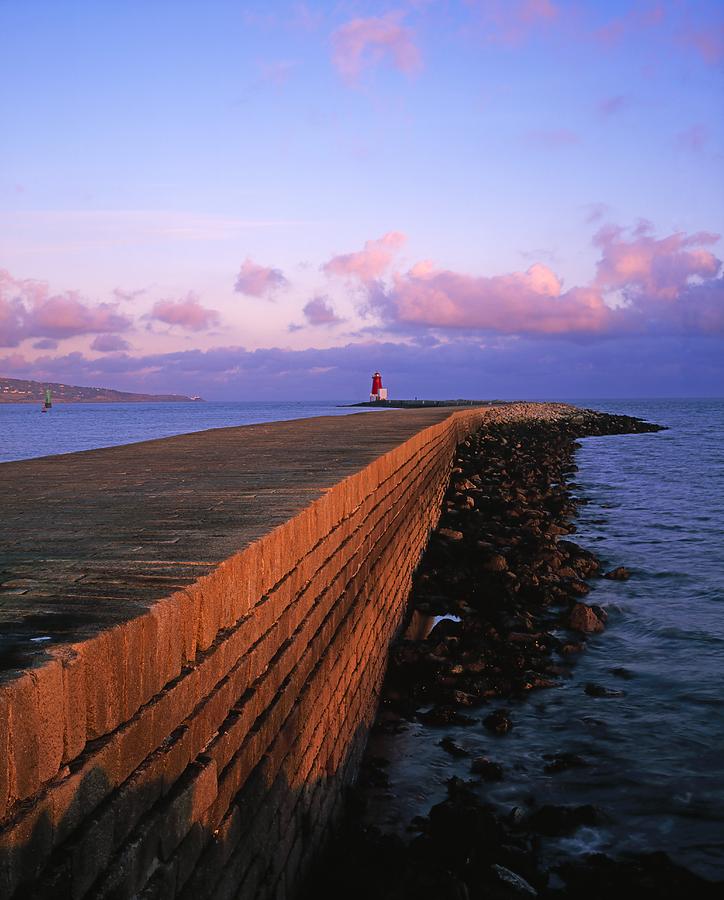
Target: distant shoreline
{"type": "Point", "coordinates": [61, 401]}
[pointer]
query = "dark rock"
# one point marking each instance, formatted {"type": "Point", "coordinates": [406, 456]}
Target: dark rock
{"type": "Point", "coordinates": [495, 563]}
{"type": "Point", "coordinates": [621, 573]}
{"type": "Point", "coordinates": [560, 820]}
{"type": "Point", "coordinates": [598, 690]}
{"type": "Point", "coordinates": [559, 762]}
{"type": "Point", "coordinates": [452, 747]}
{"type": "Point", "coordinates": [498, 722]}
{"type": "Point", "coordinates": [487, 769]}
{"type": "Point", "coordinates": [621, 672]}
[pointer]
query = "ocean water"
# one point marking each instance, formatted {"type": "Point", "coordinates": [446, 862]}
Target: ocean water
{"type": "Point", "coordinates": [25, 432]}
{"type": "Point", "coordinates": [656, 755]}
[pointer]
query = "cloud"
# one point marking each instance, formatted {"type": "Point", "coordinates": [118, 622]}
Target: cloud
{"type": "Point", "coordinates": [707, 40]}
{"type": "Point", "coordinates": [364, 43]}
{"type": "Point", "coordinates": [259, 281]}
{"type": "Point", "coordinates": [466, 366]}
{"type": "Point", "coordinates": [693, 138]}
{"type": "Point", "coordinates": [651, 268]}
{"type": "Point", "coordinates": [108, 343]}
{"type": "Point", "coordinates": [611, 105]}
{"type": "Point", "coordinates": [527, 302]}
{"type": "Point", "coordinates": [511, 22]}
{"type": "Point", "coordinates": [369, 263]}
{"type": "Point", "coordinates": [28, 309]}
{"type": "Point", "coordinates": [642, 285]}
{"type": "Point", "coordinates": [187, 313]}
{"type": "Point", "coordinates": [556, 137]}
{"type": "Point", "coordinates": [45, 344]}
{"type": "Point", "coordinates": [595, 212]}
{"type": "Point", "coordinates": [319, 311]}
{"type": "Point", "coordinates": [124, 296]}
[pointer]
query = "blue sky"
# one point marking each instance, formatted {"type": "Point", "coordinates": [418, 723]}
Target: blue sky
{"type": "Point", "coordinates": [152, 150]}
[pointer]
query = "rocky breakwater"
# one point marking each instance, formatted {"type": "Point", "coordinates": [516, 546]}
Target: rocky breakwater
{"type": "Point", "coordinates": [505, 591]}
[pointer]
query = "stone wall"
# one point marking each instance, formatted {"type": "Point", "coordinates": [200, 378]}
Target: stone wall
{"type": "Point", "coordinates": [201, 748]}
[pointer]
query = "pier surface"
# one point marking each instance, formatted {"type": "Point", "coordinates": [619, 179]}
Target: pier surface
{"type": "Point", "coordinates": [91, 539]}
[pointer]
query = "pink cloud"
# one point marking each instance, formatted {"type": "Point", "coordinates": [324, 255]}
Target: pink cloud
{"type": "Point", "coordinates": [557, 137]}
{"type": "Point", "coordinates": [109, 343]}
{"type": "Point", "coordinates": [510, 22]}
{"type": "Point", "coordinates": [369, 263]}
{"type": "Point", "coordinates": [529, 302]}
{"type": "Point", "coordinates": [364, 43]}
{"type": "Point", "coordinates": [693, 138]}
{"type": "Point", "coordinates": [651, 268]}
{"type": "Point", "coordinates": [259, 281]}
{"type": "Point", "coordinates": [187, 313]}
{"type": "Point", "coordinates": [319, 311]}
{"type": "Point", "coordinates": [611, 105]}
{"type": "Point", "coordinates": [707, 41]}
{"type": "Point", "coordinates": [643, 285]}
{"type": "Point", "coordinates": [28, 309]}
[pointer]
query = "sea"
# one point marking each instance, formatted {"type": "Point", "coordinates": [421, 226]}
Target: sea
{"type": "Point", "coordinates": [655, 755]}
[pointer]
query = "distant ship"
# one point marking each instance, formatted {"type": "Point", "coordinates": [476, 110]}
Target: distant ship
{"type": "Point", "coordinates": [48, 401]}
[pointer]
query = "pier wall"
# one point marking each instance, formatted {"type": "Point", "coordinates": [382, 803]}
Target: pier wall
{"type": "Point", "coordinates": [200, 748]}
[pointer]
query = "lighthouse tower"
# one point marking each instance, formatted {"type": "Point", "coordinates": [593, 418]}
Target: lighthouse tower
{"type": "Point", "coordinates": [377, 392]}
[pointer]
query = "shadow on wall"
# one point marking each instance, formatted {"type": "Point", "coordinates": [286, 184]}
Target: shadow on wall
{"type": "Point", "coordinates": [203, 836]}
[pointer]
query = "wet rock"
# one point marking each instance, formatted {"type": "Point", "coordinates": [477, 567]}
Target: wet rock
{"type": "Point", "coordinates": [450, 534]}
{"type": "Point", "coordinates": [487, 769]}
{"type": "Point", "coordinates": [598, 690]}
{"type": "Point", "coordinates": [560, 762]}
{"type": "Point", "coordinates": [513, 884]}
{"type": "Point", "coordinates": [555, 821]}
{"type": "Point", "coordinates": [495, 563]}
{"type": "Point", "coordinates": [621, 672]}
{"type": "Point", "coordinates": [444, 715]}
{"type": "Point", "coordinates": [583, 618]}
{"type": "Point", "coordinates": [498, 722]}
{"type": "Point", "coordinates": [452, 747]}
{"type": "Point", "coordinates": [621, 573]}
{"type": "Point", "coordinates": [651, 876]}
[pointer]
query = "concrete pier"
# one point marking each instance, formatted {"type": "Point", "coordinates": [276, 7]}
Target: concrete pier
{"type": "Point", "coordinates": [194, 630]}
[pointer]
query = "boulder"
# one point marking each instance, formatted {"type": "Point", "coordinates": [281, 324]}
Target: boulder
{"type": "Point", "coordinates": [584, 619]}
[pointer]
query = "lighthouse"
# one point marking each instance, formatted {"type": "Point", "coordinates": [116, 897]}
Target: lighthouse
{"type": "Point", "coordinates": [378, 392]}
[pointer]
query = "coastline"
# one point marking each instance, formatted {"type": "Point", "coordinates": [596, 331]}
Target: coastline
{"type": "Point", "coordinates": [498, 612]}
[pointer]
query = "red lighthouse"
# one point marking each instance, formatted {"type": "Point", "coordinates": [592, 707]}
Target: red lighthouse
{"type": "Point", "coordinates": [377, 392]}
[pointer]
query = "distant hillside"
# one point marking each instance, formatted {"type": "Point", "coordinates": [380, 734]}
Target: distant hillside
{"type": "Point", "coordinates": [15, 390]}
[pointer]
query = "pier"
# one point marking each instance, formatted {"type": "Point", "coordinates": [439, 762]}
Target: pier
{"type": "Point", "coordinates": [195, 632]}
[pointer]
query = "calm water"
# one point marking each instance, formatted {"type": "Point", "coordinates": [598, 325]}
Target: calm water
{"type": "Point", "coordinates": [25, 432]}
{"type": "Point", "coordinates": [657, 754]}
{"type": "Point", "coordinates": [656, 506]}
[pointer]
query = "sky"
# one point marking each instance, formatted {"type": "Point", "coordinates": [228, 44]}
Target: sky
{"type": "Point", "coordinates": [272, 200]}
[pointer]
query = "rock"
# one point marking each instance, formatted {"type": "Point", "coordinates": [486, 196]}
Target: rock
{"type": "Point", "coordinates": [598, 690]}
{"type": "Point", "coordinates": [487, 769]}
{"type": "Point", "coordinates": [621, 573]}
{"type": "Point", "coordinates": [450, 534]}
{"type": "Point", "coordinates": [515, 885]}
{"type": "Point", "coordinates": [495, 563]}
{"type": "Point", "coordinates": [498, 722]}
{"type": "Point", "coordinates": [560, 820]}
{"type": "Point", "coordinates": [444, 715]}
{"type": "Point", "coordinates": [559, 762]}
{"type": "Point", "coordinates": [452, 747]}
{"type": "Point", "coordinates": [621, 672]}
{"type": "Point", "coordinates": [584, 619]}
